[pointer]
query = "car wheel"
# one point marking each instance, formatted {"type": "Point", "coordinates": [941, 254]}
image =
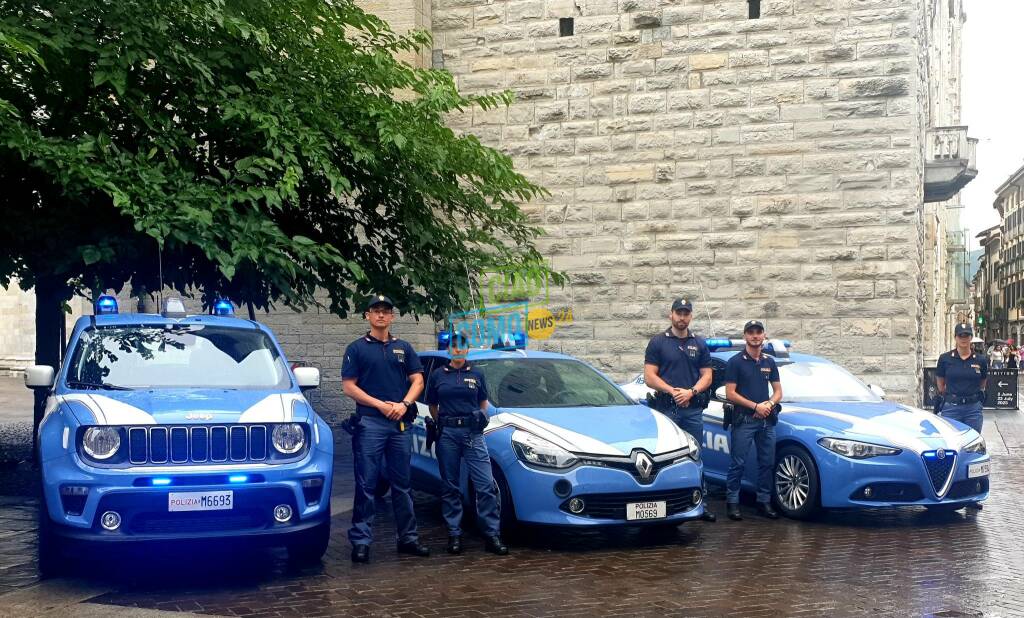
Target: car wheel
{"type": "Point", "coordinates": [796, 483]}
{"type": "Point", "coordinates": [310, 547]}
{"type": "Point", "coordinates": [49, 553]}
{"type": "Point", "coordinates": [509, 521]}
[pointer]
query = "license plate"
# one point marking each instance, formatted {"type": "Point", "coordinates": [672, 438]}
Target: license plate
{"type": "Point", "coordinates": [979, 469]}
{"type": "Point", "coordinates": [200, 500]}
{"type": "Point", "coordinates": [645, 510]}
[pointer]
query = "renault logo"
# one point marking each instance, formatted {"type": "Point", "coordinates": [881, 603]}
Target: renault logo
{"type": "Point", "coordinates": [644, 465]}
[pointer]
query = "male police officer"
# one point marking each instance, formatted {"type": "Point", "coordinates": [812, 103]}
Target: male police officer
{"type": "Point", "coordinates": [384, 376]}
{"type": "Point", "coordinates": [678, 363]}
{"type": "Point", "coordinates": [747, 377]}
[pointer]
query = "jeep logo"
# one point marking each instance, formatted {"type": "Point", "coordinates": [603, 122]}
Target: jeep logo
{"type": "Point", "coordinates": [198, 416]}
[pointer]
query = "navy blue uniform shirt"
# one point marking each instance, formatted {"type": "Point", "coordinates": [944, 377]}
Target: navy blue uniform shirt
{"type": "Point", "coordinates": [381, 368]}
{"type": "Point", "coordinates": [963, 377]}
{"type": "Point", "coordinates": [752, 378]}
{"type": "Point", "coordinates": [456, 392]}
{"type": "Point", "coordinates": [679, 361]}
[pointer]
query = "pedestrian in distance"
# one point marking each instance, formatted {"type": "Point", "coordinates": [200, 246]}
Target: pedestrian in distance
{"type": "Point", "coordinates": [748, 376]}
{"type": "Point", "coordinates": [995, 357]}
{"type": "Point", "coordinates": [383, 374]}
{"type": "Point", "coordinates": [457, 396]}
{"type": "Point", "coordinates": [1013, 358]}
{"type": "Point", "coordinates": [677, 365]}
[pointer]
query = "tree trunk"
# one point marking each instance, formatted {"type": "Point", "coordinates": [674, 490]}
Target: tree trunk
{"type": "Point", "coordinates": [50, 296]}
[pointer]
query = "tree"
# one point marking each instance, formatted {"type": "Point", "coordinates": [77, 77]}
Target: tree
{"type": "Point", "coordinates": [266, 149]}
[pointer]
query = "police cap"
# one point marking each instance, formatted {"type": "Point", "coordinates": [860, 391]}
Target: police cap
{"type": "Point", "coordinates": [752, 325]}
{"type": "Point", "coordinates": [964, 329]}
{"type": "Point", "coordinates": [377, 299]}
{"type": "Point", "coordinates": [682, 304]}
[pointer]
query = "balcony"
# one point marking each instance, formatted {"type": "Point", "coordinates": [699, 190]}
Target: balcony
{"type": "Point", "coordinates": [950, 162]}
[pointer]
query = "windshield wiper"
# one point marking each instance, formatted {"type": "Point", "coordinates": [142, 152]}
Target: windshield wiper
{"type": "Point", "coordinates": [101, 385]}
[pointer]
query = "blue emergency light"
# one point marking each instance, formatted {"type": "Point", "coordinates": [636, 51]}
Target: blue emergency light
{"type": "Point", "coordinates": [444, 339]}
{"type": "Point", "coordinates": [223, 306]}
{"type": "Point", "coordinates": [238, 478]}
{"type": "Point", "coordinates": [161, 481]}
{"type": "Point", "coordinates": [105, 305]}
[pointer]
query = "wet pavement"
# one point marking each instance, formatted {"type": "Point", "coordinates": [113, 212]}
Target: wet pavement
{"type": "Point", "coordinates": [845, 563]}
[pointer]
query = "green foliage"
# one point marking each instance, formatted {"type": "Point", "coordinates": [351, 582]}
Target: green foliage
{"type": "Point", "coordinates": [269, 149]}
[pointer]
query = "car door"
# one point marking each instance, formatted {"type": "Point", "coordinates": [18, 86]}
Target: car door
{"type": "Point", "coordinates": [715, 453]}
{"type": "Point", "coordinates": [425, 475]}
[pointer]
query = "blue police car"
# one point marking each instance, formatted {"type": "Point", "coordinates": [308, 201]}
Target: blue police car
{"type": "Point", "coordinates": [569, 448]}
{"type": "Point", "coordinates": [840, 444]}
{"type": "Point", "coordinates": [174, 426]}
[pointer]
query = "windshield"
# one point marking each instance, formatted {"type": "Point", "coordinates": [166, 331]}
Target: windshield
{"type": "Point", "coordinates": [822, 382]}
{"type": "Point", "coordinates": [192, 356]}
{"type": "Point", "coordinates": [547, 383]}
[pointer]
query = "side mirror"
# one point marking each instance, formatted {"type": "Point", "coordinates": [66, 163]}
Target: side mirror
{"type": "Point", "coordinates": [307, 377]}
{"type": "Point", "coordinates": [878, 390]}
{"type": "Point", "coordinates": [720, 393]}
{"type": "Point", "coordinates": [39, 376]}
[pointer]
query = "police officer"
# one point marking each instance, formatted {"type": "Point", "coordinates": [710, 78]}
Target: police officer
{"type": "Point", "coordinates": [384, 376]}
{"type": "Point", "coordinates": [678, 363]}
{"type": "Point", "coordinates": [747, 378]}
{"type": "Point", "coordinates": [457, 396]}
{"type": "Point", "coordinates": [961, 376]}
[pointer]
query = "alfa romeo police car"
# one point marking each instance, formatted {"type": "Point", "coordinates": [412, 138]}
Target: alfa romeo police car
{"type": "Point", "coordinates": [569, 448]}
{"type": "Point", "coordinates": [174, 426]}
{"type": "Point", "coordinates": [840, 444]}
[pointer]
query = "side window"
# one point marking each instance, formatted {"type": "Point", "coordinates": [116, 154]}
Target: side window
{"type": "Point", "coordinates": [429, 363]}
{"type": "Point", "coordinates": [717, 374]}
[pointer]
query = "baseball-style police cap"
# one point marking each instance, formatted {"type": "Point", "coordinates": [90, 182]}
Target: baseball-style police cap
{"type": "Point", "coordinates": [377, 299]}
{"type": "Point", "coordinates": [682, 304]}
{"type": "Point", "coordinates": [752, 324]}
{"type": "Point", "coordinates": [964, 329]}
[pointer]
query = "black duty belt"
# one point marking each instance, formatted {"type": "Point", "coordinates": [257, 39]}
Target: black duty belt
{"type": "Point", "coordinates": [456, 421]}
{"type": "Point", "coordinates": [959, 400]}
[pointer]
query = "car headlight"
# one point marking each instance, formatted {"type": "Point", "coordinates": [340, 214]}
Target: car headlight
{"type": "Point", "coordinates": [288, 438]}
{"type": "Point", "coordinates": [694, 452]}
{"type": "Point", "coordinates": [101, 442]}
{"type": "Point", "coordinates": [857, 450]}
{"type": "Point", "coordinates": [976, 446]}
{"type": "Point", "coordinates": [540, 452]}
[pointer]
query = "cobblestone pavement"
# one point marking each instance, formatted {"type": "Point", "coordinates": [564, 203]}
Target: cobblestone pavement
{"type": "Point", "coordinates": [862, 563]}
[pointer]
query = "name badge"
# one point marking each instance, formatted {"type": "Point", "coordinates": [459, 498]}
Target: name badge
{"type": "Point", "coordinates": [399, 354]}
{"type": "Point", "coordinates": [470, 382]}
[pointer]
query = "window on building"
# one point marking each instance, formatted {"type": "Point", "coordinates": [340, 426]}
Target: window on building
{"type": "Point", "coordinates": [565, 26]}
{"type": "Point", "coordinates": [754, 9]}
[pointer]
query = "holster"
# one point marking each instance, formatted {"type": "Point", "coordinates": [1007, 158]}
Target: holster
{"type": "Point", "coordinates": [728, 415]}
{"type": "Point", "coordinates": [433, 433]}
{"type": "Point", "coordinates": [937, 403]}
{"type": "Point", "coordinates": [351, 424]}
{"type": "Point", "coordinates": [773, 418]}
{"type": "Point", "coordinates": [480, 420]}
{"type": "Point", "coordinates": [662, 402]}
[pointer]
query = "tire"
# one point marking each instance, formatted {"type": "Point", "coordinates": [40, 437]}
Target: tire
{"type": "Point", "coordinates": [795, 483]}
{"type": "Point", "coordinates": [48, 545]}
{"type": "Point", "coordinates": [509, 521]}
{"type": "Point", "coordinates": [311, 545]}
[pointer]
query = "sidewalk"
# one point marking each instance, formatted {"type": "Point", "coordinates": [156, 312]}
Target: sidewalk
{"type": "Point", "coordinates": [15, 421]}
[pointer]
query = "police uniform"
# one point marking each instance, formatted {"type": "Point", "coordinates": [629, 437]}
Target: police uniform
{"type": "Point", "coordinates": [964, 396]}
{"type": "Point", "coordinates": [753, 378]}
{"type": "Point", "coordinates": [382, 369]}
{"type": "Point", "coordinates": [458, 393]}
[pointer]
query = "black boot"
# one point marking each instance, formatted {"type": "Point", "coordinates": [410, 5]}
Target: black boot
{"type": "Point", "coordinates": [361, 553]}
{"type": "Point", "coordinates": [708, 515]}
{"type": "Point", "coordinates": [454, 545]}
{"type": "Point", "coordinates": [733, 511]}
{"type": "Point", "coordinates": [765, 510]}
{"type": "Point", "coordinates": [495, 546]}
{"type": "Point", "coordinates": [414, 549]}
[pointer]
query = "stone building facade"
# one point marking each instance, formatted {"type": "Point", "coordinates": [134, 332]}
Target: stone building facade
{"type": "Point", "coordinates": [768, 159]}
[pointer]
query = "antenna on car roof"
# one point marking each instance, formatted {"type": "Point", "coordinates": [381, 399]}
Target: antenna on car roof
{"type": "Point", "coordinates": [704, 301]}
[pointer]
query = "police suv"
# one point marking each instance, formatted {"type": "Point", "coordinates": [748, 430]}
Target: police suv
{"type": "Point", "coordinates": [175, 426]}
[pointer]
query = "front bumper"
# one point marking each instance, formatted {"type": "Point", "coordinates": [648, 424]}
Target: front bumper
{"type": "Point", "coordinates": [604, 491]}
{"type": "Point", "coordinates": [144, 510]}
{"type": "Point", "coordinates": [898, 480]}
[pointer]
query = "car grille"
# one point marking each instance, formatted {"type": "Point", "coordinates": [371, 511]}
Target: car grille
{"type": "Point", "coordinates": [939, 469]}
{"type": "Point", "coordinates": [969, 487]}
{"type": "Point", "coordinates": [613, 506]}
{"type": "Point", "coordinates": [159, 444]}
{"type": "Point", "coordinates": [185, 523]}
{"type": "Point", "coordinates": [889, 492]}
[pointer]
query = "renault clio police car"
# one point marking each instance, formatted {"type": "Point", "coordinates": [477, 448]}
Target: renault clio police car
{"type": "Point", "coordinates": [175, 426]}
{"type": "Point", "coordinates": [840, 444]}
{"type": "Point", "coordinates": [568, 448]}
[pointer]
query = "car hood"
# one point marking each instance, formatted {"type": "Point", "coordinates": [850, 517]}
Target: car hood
{"type": "Point", "coordinates": [895, 424]}
{"type": "Point", "coordinates": [148, 407]}
{"type": "Point", "coordinates": [608, 431]}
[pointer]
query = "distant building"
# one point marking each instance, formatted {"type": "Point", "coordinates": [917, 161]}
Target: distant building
{"type": "Point", "coordinates": [1010, 277]}
{"type": "Point", "coordinates": [989, 309]}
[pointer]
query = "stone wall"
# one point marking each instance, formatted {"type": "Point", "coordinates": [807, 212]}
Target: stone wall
{"type": "Point", "coordinates": [776, 161]}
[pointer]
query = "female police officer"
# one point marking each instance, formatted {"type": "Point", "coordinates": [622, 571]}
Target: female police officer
{"type": "Point", "coordinates": [457, 396]}
{"type": "Point", "coordinates": [961, 376]}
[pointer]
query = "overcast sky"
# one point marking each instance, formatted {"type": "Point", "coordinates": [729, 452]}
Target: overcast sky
{"type": "Point", "coordinates": [993, 109]}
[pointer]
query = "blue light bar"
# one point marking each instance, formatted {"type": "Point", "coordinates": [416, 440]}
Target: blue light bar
{"type": "Point", "coordinates": [238, 478]}
{"type": "Point", "coordinates": [223, 306]}
{"type": "Point", "coordinates": [105, 305]}
{"type": "Point", "coordinates": [519, 340]}
{"type": "Point", "coordinates": [161, 481]}
{"type": "Point", "coordinates": [444, 339]}
{"type": "Point", "coordinates": [716, 343]}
